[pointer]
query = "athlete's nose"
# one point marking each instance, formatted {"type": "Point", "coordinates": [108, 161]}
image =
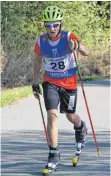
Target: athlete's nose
{"type": "Point", "coordinates": [52, 28]}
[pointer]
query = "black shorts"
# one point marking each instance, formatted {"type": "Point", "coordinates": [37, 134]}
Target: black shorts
{"type": "Point", "coordinates": [53, 95]}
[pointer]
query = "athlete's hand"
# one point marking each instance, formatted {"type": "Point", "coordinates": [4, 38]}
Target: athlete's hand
{"type": "Point", "coordinates": [36, 90]}
{"type": "Point", "coordinates": [73, 44]}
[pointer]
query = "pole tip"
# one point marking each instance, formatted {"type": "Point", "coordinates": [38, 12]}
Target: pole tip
{"type": "Point", "coordinates": [99, 153]}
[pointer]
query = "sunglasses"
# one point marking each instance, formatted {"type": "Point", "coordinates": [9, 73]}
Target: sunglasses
{"type": "Point", "coordinates": [49, 25]}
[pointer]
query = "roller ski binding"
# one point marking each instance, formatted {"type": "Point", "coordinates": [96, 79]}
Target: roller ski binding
{"type": "Point", "coordinates": [53, 161]}
{"type": "Point", "coordinates": [80, 136]}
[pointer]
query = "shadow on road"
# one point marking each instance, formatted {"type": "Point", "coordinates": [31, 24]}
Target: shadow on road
{"type": "Point", "coordinates": [24, 153]}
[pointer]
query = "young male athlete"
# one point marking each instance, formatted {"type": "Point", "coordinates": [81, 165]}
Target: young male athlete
{"type": "Point", "coordinates": [56, 49]}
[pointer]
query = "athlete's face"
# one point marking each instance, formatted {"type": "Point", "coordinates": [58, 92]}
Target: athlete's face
{"type": "Point", "coordinates": [52, 29]}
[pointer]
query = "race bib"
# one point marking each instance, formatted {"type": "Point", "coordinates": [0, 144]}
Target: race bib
{"type": "Point", "coordinates": [60, 67]}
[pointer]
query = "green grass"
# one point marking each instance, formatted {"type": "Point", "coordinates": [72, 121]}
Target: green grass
{"type": "Point", "coordinates": [10, 96]}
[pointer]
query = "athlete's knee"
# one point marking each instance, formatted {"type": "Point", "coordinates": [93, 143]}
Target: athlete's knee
{"type": "Point", "coordinates": [52, 114]}
{"type": "Point", "coordinates": [52, 117]}
{"type": "Point", "coordinates": [73, 117]}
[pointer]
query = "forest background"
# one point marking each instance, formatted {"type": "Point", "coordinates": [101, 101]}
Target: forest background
{"type": "Point", "coordinates": [21, 24]}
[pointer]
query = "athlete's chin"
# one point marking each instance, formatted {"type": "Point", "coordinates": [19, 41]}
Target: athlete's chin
{"type": "Point", "coordinates": [53, 35]}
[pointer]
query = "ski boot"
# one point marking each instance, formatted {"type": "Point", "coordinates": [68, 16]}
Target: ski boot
{"type": "Point", "coordinates": [53, 161]}
{"type": "Point", "coordinates": [80, 136]}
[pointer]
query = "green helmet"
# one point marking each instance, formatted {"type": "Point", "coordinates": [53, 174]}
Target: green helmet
{"type": "Point", "coordinates": [52, 13]}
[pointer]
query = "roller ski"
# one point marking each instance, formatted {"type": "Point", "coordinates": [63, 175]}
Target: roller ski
{"type": "Point", "coordinates": [48, 171]}
{"type": "Point", "coordinates": [53, 161]}
{"type": "Point", "coordinates": [80, 136]}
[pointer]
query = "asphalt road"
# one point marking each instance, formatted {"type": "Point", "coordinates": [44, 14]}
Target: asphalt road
{"type": "Point", "coordinates": [23, 146]}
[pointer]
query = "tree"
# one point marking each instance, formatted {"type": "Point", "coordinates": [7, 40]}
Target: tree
{"type": "Point", "coordinates": [21, 24]}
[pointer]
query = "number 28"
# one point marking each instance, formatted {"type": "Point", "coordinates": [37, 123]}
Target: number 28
{"type": "Point", "coordinates": [59, 65]}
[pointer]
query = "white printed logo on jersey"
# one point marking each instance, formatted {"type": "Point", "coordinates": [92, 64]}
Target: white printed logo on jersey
{"type": "Point", "coordinates": [55, 53]}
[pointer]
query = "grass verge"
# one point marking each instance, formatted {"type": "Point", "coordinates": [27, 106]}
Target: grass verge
{"type": "Point", "coordinates": [10, 96]}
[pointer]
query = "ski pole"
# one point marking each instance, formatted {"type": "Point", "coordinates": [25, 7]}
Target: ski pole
{"type": "Point", "coordinates": [47, 138]}
{"type": "Point", "coordinates": [89, 115]}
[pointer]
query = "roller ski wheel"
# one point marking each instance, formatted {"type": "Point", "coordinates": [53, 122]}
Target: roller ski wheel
{"type": "Point", "coordinates": [53, 161]}
{"type": "Point", "coordinates": [47, 172]}
{"type": "Point", "coordinates": [75, 160]}
{"type": "Point", "coordinates": [80, 136]}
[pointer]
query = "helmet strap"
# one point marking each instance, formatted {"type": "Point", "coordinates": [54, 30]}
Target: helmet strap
{"type": "Point", "coordinates": [59, 31]}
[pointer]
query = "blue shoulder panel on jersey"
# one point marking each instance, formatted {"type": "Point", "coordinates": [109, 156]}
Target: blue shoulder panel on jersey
{"type": "Point", "coordinates": [61, 49]}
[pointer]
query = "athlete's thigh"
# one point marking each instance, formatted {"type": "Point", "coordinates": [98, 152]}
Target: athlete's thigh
{"type": "Point", "coordinates": [51, 96]}
{"type": "Point", "coordinates": [68, 101]}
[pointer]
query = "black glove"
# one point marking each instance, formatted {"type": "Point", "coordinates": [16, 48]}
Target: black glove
{"type": "Point", "coordinates": [36, 90]}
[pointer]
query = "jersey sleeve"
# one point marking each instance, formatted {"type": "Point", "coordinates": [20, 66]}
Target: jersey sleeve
{"type": "Point", "coordinates": [72, 36]}
{"type": "Point", "coordinates": [37, 48]}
